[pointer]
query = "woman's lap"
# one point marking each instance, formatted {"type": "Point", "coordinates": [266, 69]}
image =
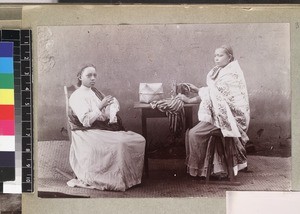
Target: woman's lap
{"type": "Point", "coordinates": [198, 136]}
{"type": "Point", "coordinates": [202, 129]}
{"type": "Point", "coordinates": [108, 160]}
{"type": "Point", "coordinates": [196, 150]}
{"type": "Point", "coordinates": [196, 147]}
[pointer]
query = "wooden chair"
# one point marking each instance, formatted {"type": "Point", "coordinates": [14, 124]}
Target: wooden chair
{"type": "Point", "coordinates": [227, 146]}
{"type": "Point", "coordinates": [67, 92]}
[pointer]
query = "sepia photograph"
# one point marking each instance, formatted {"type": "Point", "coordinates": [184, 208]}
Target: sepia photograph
{"type": "Point", "coordinates": [165, 110]}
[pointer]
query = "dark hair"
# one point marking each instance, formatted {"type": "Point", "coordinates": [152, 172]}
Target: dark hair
{"type": "Point", "coordinates": [229, 51]}
{"type": "Point", "coordinates": [81, 71]}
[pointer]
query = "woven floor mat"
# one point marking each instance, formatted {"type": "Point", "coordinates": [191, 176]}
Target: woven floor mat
{"type": "Point", "coordinates": [167, 177]}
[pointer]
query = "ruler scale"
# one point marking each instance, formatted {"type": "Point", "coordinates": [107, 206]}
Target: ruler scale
{"type": "Point", "coordinates": [27, 112]}
{"type": "Point", "coordinates": [23, 108]}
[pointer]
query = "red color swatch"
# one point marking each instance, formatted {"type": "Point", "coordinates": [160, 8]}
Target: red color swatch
{"type": "Point", "coordinates": [7, 112]}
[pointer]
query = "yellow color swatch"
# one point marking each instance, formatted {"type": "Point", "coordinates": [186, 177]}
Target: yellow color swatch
{"type": "Point", "coordinates": [7, 97]}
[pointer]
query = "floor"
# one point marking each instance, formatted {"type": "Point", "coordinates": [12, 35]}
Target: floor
{"type": "Point", "coordinates": [167, 177]}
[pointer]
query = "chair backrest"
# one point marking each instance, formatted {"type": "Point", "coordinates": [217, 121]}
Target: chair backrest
{"type": "Point", "coordinates": [68, 90]}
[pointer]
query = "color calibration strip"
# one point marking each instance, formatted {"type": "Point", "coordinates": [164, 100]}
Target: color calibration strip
{"type": "Point", "coordinates": [7, 113]}
{"type": "Point", "coordinates": [23, 110]}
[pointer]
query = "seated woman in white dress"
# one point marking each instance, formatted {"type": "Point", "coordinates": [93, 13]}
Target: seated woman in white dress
{"type": "Point", "coordinates": [102, 154]}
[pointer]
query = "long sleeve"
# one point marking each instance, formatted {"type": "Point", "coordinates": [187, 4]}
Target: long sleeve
{"type": "Point", "coordinates": [84, 105]}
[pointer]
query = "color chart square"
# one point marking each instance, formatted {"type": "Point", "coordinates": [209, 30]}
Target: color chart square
{"type": "Point", "coordinates": [7, 127]}
{"type": "Point", "coordinates": [7, 112]}
{"type": "Point", "coordinates": [7, 159]}
{"type": "Point", "coordinates": [6, 96]}
{"type": "Point", "coordinates": [6, 81]}
{"type": "Point", "coordinates": [6, 65]}
{"type": "Point", "coordinates": [7, 143]}
{"type": "Point", "coordinates": [6, 49]}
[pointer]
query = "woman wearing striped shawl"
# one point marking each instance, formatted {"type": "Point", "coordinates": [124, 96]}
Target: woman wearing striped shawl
{"type": "Point", "coordinates": [224, 105]}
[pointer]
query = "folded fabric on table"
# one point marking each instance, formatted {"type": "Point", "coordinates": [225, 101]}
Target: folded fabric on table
{"type": "Point", "coordinates": [174, 109]}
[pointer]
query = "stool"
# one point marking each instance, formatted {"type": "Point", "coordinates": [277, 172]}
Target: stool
{"type": "Point", "coordinates": [227, 145]}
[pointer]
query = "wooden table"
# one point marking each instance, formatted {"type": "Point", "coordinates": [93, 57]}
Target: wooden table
{"type": "Point", "coordinates": [149, 112]}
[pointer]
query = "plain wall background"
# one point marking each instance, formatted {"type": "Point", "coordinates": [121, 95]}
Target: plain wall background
{"type": "Point", "coordinates": [126, 55]}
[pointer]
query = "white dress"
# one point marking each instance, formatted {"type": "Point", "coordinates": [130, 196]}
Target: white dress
{"type": "Point", "coordinates": [101, 159]}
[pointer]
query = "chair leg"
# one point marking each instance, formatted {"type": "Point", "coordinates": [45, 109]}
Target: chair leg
{"type": "Point", "coordinates": [211, 148]}
{"type": "Point", "coordinates": [227, 145]}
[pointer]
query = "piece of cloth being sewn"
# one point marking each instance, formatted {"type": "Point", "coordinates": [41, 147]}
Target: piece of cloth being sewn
{"type": "Point", "coordinates": [174, 109]}
{"type": "Point", "coordinates": [114, 123]}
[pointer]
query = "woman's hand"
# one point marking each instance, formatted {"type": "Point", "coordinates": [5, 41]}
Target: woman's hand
{"type": "Point", "coordinates": [107, 100]}
{"type": "Point", "coordinates": [183, 98]}
{"type": "Point", "coordinates": [193, 88]}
